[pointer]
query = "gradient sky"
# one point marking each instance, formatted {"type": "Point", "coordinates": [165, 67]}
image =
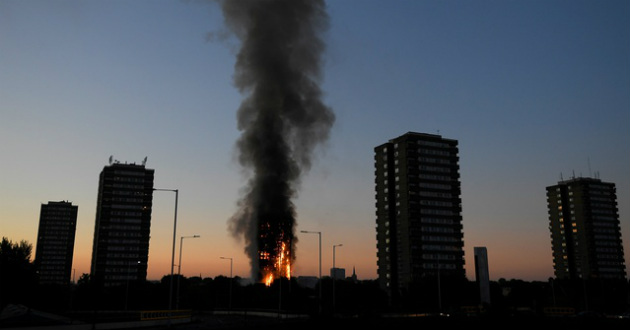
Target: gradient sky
{"type": "Point", "coordinates": [532, 90]}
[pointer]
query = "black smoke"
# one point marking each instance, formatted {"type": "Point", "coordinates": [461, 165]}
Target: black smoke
{"type": "Point", "coordinates": [282, 118]}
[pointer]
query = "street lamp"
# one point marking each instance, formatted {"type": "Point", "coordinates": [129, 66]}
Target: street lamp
{"type": "Point", "coordinates": [334, 275]}
{"type": "Point", "coordinates": [320, 264]}
{"type": "Point", "coordinates": [170, 295]}
{"type": "Point", "coordinates": [230, 301]}
{"type": "Point", "coordinates": [179, 266]}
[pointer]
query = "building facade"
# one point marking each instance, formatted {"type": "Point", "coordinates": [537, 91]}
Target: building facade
{"type": "Point", "coordinates": [123, 221]}
{"type": "Point", "coordinates": [418, 210]}
{"type": "Point", "coordinates": [585, 230]}
{"type": "Point", "coordinates": [482, 274]}
{"type": "Point", "coordinates": [55, 242]}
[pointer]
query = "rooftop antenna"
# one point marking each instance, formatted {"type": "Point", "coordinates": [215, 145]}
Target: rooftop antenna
{"type": "Point", "coordinates": [588, 159]}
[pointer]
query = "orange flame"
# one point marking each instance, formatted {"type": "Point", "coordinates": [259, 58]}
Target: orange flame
{"type": "Point", "coordinates": [269, 279]}
{"type": "Point", "coordinates": [281, 268]}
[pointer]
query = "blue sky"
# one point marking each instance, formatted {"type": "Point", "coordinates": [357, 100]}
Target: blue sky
{"type": "Point", "coordinates": [530, 89]}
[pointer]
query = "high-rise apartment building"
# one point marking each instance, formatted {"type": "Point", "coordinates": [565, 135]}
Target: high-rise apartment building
{"type": "Point", "coordinates": [418, 210]}
{"type": "Point", "coordinates": [123, 221]}
{"type": "Point", "coordinates": [585, 230]}
{"type": "Point", "coordinates": [55, 242]}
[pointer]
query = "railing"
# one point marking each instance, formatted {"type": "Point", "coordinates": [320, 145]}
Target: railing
{"type": "Point", "coordinates": [164, 314]}
{"type": "Point", "coordinates": [559, 311]}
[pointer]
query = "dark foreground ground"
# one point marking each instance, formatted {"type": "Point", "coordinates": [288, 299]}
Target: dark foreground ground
{"type": "Point", "coordinates": [270, 320]}
{"type": "Point", "coordinates": [208, 321]}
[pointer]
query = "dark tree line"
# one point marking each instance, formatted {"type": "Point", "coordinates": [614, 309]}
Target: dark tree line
{"type": "Point", "coordinates": [17, 273]}
{"type": "Point", "coordinates": [18, 285]}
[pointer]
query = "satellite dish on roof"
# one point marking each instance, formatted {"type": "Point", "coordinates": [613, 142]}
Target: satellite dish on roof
{"type": "Point", "coordinates": [111, 159]}
{"type": "Point", "coordinates": [144, 161]}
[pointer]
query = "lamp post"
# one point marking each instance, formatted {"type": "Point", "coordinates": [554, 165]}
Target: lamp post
{"type": "Point", "coordinates": [170, 295]}
{"type": "Point", "coordinates": [179, 265]}
{"type": "Point", "coordinates": [319, 233]}
{"type": "Point", "coordinates": [334, 275]}
{"type": "Point", "coordinates": [230, 299]}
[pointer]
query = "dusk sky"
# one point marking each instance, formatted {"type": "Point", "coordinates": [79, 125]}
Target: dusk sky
{"type": "Point", "coordinates": [532, 90]}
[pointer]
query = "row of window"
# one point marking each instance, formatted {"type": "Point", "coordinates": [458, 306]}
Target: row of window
{"type": "Point", "coordinates": [593, 188]}
{"type": "Point", "coordinates": [127, 207]}
{"type": "Point", "coordinates": [122, 248]}
{"type": "Point", "coordinates": [434, 247]}
{"type": "Point", "coordinates": [609, 254]}
{"type": "Point", "coordinates": [431, 194]}
{"type": "Point", "coordinates": [125, 277]}
{"type": "Point", "coordinates": [127, 199]}
{"type": "Point", "coordinates": [123, 255]}
{"type": "Point", "coordinates": [436, 186]}
{"type": "Point", "coordinates": [614, 243]}
{"type": "Point", "coordinates": [425, 159]}
{"type": "Point", "coordinates": [603, 218]}
{"type": "Point", "coordinates": [606, 228]}
{"type": "Point", "coordinates": [599, 188]}
{"type": "Point", "coordinates": [436, 194]}
{"type": "Point", "coordinates": [53, 257]}
{"type": "Point", "coordinates": [439, 230]}
{"type": "Point", "coordinates": [439, 212]}
{"type": "Point", "coordinates": [58, 210]}
{"type": "Point", "coordinates": [431, 160]}
{"type": "Point", "coordinates": [430, 229]}
{"type": "Point", "coordinates": [434, 203]}
{"type": "Point", "coordinates": [65, 225]}
{"type": "Point", "coordinates": [595, 202]}
{"type": "Point", "coordinates": [437, 221]}
{"type": "Point", "coordinates": [52, 268]}
{"type": "Point", "coordinates": [128, 193]}
{"type": "Point", "coordinates": [128, 179]}
{"type": "Point", "coordinates": [127, 213]}
{"type": "Point", "coordinates": [423, 143]}
{"type": "Point", "coordinates": [56, 232]}
{"type": "Point", "coordinates": [612, 237]}
{"type": "Point", "coordinates": [432, 144]}
{"type": "Point", "coordinates": [51, 240]}
{"type": "Point", "coordinates": [443, 239]}
{"type": "Point", "coordinates": [601, 199]}
{"type": "Point", "coordinates": [58, 219]}
{"type": "Point", "coordinates": [440, 169]}
{"type": "Point", "coordinates": [126, 220]}
{"type": "Point", "coordinates": [43, 278]}
{"type": "Point", "coordinates": [132, 264]}
{"type": "Point", "coordinates": [413, 204]}
{"type": "Point", "coordinates": [129, 173]}
{"type": "Point", "coordinates": [424, 211]}
{"type": "Point", "coordinates": [125, 227]}
{"type": "Point", "coordinates": [128, 186]}
{"type": "Point", "coordinates": [439, 266]}
{"type": "Point", "coordinates": [439, 257]}
{"type": "Point", "coordinates": [123, 241]}
{"type": "Point", "coordinates": [49, 253]}
{"type": "Point", "coordinates": [595, 212]}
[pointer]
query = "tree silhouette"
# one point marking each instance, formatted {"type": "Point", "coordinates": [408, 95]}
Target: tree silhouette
{"type": "Point", "coordinates": [17, 272]}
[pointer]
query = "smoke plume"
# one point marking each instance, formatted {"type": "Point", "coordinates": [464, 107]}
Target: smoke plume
{"type": "Point", "coordinates": [282, 119]}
